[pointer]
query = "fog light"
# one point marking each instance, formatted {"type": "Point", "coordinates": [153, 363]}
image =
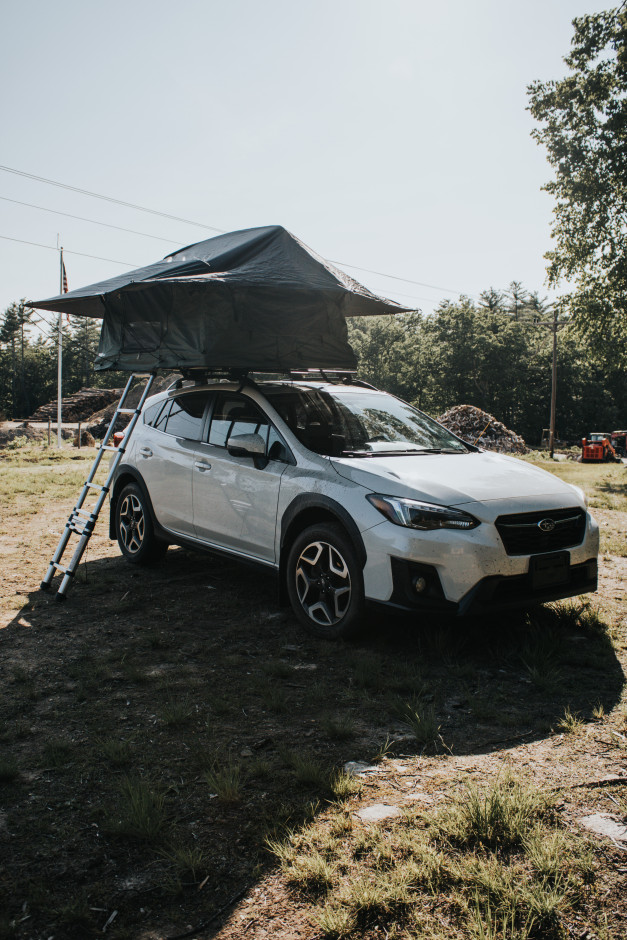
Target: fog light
{"type": "Point", "coordinates": [420, 584]}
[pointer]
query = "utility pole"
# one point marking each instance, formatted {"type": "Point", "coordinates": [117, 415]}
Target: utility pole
{"type": "Point", "coordinates": [554, 326]}
{"type": "Point", "coordinates": [553, 386]}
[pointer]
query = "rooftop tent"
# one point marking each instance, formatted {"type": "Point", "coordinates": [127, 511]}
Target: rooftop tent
{"type": "Point", "coordinates": [254, 299]}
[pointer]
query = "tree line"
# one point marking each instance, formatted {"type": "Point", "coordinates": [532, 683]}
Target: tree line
{"type": "Point", "coordinates": [28, 359]}
{"type": "Point", "coordinates": [495, 354]}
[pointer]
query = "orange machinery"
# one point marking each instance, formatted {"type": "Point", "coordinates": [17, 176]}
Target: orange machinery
{"type": "Point", "coordinates": [597, 447]}
{"type": "Point", "coordinates": [619, 443]}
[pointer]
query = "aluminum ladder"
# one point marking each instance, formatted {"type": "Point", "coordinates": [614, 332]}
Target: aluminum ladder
{"type": "Point", "coordinates": [82, 519]}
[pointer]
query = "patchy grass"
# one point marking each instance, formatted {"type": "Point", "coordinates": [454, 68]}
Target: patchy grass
{"type": "Point", "coordinates": [489, 863]}
{"type": "Point", "coordinates": [497, 816]}
{"type": "Point", "coordinates": [140, 813]}
{"type": "Point", "coordinates": [156, 730]}
{"type": "Point", "coordinates": [224, 779]}
{"type": "Point", "coordinates": [420, 720]}
{"type": "Point", "coordinates": [571, 722]}
{"type": "Point", "coordinates": [19, 455]}
{"type": "Point", "coordinates": [20, 484]}
{"type": "Point", "coordinates": [604, 484]}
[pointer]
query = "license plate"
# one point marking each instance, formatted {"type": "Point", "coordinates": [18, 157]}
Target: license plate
{"type": "Point", "coordinates": [549, 570]}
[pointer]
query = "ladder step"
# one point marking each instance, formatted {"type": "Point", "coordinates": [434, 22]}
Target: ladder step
{"type": "Point", "coordinates": [82, 521]}
{"type": "Point", "coordinates": [62, 568]}
{"type": "Point", "coordinates": [85, 517]}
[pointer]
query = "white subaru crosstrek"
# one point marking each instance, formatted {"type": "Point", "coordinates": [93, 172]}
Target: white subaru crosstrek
{"type": "Point", "coordinates": [349, 495]}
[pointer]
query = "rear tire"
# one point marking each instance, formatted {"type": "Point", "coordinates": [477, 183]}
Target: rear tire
{"type": "Point", "coordinates": [134, 529]}
{"type": "Point", "coordinates": [325, 582]}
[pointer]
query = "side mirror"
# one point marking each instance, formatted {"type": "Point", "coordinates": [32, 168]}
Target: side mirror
{"type": "Point", "coordinates": [246, 445]}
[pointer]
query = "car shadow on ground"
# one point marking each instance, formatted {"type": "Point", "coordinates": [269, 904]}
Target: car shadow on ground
{"type": "Point", "coordinates": [186, 686]}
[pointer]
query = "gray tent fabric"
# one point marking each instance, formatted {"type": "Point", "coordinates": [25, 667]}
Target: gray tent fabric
{"type": "Point", "coordinates": [257, 299]}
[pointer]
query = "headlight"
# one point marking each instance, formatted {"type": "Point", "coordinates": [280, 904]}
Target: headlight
{"type": "Point", "coordinates": [417, 515]}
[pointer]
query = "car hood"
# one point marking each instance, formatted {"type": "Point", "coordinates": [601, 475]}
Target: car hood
{"type": "Point", "coordinates": [453, 479]}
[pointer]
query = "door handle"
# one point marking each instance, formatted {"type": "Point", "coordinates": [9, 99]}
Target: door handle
{"type": "Point", "coordinates": [145, 451]}
{"type": "Point", "coordinates": [202, 465]}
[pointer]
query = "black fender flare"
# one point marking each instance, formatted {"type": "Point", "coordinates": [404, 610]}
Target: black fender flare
{"type": "Point", "coordinates": [313, 501]}
{"type": "Point", "coordinates": [125, 471]}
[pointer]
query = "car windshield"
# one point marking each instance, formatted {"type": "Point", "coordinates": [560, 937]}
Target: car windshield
{"type": "Point", "coordinates": [344, 422]}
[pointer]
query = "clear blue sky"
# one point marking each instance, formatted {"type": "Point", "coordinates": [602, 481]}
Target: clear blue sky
{"type": "Point", "coordinates": [388, 135]}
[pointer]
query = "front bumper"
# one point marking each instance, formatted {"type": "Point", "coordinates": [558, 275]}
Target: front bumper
{"type": "Point", "coordinates": [492, 593]}
{"type": "Point", "coordinates": [470, 569]}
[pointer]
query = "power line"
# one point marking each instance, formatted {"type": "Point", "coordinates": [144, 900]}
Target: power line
{"type": "Point", "coordinates": [82, 218]}
{"type": "Point", "coordinates": [68, 251]}
{"type": "Point", "coordinates": [397, 293]}
{"type": "Point", "coordinates": [165, 215]}
{"type": "Point", "coordinates": [394, 277]}
{"type": "Point", "coordinates": [171, 241]}
{"type": "Point", "coordinates": [81, 254]}
{"type": "Point", "coordinates": [119, 202]}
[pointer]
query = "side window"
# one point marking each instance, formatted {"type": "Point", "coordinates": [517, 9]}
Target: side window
{"type": "Point", "coordinates": [160, 420]}
{"type": "Point", "coordinates": [186, 414]}
{"type": "Point", "coordinates": [152, 413]}
{"type": "Point", "coordinates": [235, 415]}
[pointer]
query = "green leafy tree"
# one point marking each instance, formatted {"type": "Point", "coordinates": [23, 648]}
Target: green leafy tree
{"type": "Point", "coordinates": [28, 366]}
{"type": "Point", "coordinates": [582, 122]}
{"type": "Point", "coordinates": [496, 357]}
{"type": "Point", "coordinates": [13, 334]}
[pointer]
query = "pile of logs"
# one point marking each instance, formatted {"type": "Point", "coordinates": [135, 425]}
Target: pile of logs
{"type": "Point", "coordinates": [80, 406]}
{"type": "Point", "coordinates": [478, 427]}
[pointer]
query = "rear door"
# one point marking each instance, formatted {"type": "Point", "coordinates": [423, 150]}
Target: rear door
{"type": "Point", "coordinates": [235, 502]}
{"type": "Point", "coordinates": [165, 459]}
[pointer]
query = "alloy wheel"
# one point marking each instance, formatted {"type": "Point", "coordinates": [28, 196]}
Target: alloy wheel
{"type": "Point", "coordinates": [323, 583]}
{"type": "Point", "coordinates": [132, 523]}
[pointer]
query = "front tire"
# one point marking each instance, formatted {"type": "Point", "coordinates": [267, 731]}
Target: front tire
{"type": "Point", "coordinates": [325, 582]}
{"type": "Point", "coordinates": [134, 529]}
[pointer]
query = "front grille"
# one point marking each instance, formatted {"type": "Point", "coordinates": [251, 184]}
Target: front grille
{"type": "Point", "coordinates": [522, 535]}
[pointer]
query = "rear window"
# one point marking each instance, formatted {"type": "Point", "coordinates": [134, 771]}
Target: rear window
{"type": "Point", "coordinates": [160, 419]}
{"type": "Point", "coordinates": [152, 413]}
{"type": "Point", "coordinates": [186, 416]}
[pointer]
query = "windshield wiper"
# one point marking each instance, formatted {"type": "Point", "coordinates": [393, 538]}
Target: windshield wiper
{"type": "Point", "coordinates": [381, 453]}
{"type": "Point", "coordinates": [399, 453]}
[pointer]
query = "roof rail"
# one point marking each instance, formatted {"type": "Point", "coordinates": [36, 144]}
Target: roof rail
{"type": "Point", "coordinates": [245, 376]}
{"type": "Point", "coordinates": [343, 376]}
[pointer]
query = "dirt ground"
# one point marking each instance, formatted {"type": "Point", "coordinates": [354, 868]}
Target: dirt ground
{"type": "Point", "coordinates": [127, 709]}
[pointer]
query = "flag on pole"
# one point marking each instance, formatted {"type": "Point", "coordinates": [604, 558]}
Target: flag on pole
{"type": "Point", "coordinates": [64, 287]}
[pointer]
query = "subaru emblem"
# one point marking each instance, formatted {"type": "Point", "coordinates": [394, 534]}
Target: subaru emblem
{"type": "Point", "coordinates": [546, 525]}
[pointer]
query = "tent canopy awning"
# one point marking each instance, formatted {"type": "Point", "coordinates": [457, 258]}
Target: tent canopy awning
{"type": "Point", "coordinates": [254, 299]}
